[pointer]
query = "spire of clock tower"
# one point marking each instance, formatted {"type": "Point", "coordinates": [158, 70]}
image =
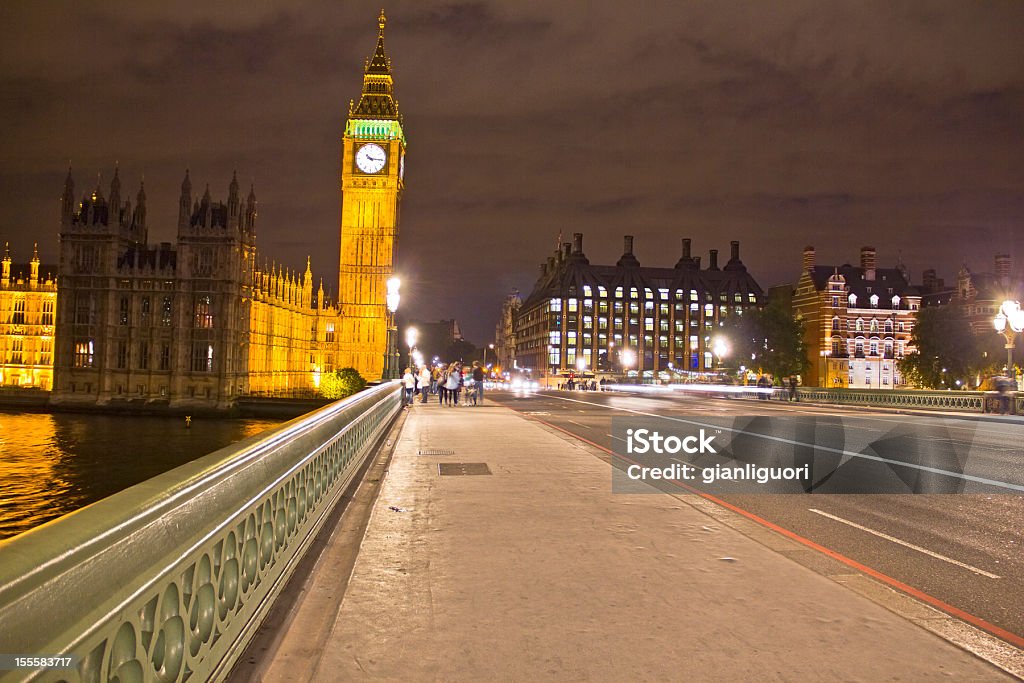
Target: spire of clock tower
{"type": "Point", "coordinates": [377, 100]}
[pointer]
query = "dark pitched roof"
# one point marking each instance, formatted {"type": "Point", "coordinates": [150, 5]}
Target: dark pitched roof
{"type": "Point", "coordinates": [856, 283]}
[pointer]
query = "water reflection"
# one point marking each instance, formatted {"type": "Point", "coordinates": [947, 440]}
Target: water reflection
{"type": "Point", "coordinates": [53, 464]}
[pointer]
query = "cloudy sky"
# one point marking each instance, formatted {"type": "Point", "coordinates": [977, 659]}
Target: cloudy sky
{"type": "Point", "coordinates": [780, 124]}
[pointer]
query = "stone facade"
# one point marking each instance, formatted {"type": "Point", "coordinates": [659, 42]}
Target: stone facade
{"type": "Point", "coordinates": [191, 324]}
{"type": "Point", "coordinates": [28, 300]}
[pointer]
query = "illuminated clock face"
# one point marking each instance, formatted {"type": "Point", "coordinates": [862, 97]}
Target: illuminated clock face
{"type": "Point", "coordinates": [371, 158]}
{"type": "Point", "coordinates": [401, 167]}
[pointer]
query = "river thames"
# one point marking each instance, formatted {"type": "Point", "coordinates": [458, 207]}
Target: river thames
{"type": "Point", "coordinates": [51, 465]}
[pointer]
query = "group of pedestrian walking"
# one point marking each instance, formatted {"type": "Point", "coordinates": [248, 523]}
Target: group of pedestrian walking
{"type": "Point", "coordinates": [448, 383]}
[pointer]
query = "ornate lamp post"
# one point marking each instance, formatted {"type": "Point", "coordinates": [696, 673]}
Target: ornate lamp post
{"type": "Point", "coordinates": [391, 353]}
{"type": "Point", "coordinates": [721, 349]}
{"type": "Point", "coordinates": [412, 335]}
{"type": "Point", "coordinates": [627, 357]}
{"type": "Point", "coordinates": [1009, 322]}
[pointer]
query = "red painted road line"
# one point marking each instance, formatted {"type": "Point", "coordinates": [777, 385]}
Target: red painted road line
{"type": "Point", "coordinates": [1002, 633]}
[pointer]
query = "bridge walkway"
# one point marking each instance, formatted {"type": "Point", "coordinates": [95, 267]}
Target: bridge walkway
{"type": "Point", "coordinates": [537, 570]}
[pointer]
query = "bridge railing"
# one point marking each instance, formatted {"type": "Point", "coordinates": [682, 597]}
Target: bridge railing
{"type": "Point", "coordinates": [956, 401]}
{"type": "Point", "coordinates": [168, 580]}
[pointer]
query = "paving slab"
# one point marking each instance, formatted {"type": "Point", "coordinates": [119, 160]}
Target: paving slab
{"type": "Point", "coordinates": [537, 570]}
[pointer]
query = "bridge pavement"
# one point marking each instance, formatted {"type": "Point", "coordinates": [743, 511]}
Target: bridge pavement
{"type": "Point", "coordinates": [538, 571]}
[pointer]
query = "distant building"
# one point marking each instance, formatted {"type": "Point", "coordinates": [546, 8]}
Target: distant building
{"type": "Point", "coordinates": [858, 321]}
{"type": "Point", "coordinates": [433, 338]}
{"type": "Point", "coordinates": [505, 332]}
{"type": "Point", "coordinates": [626, 317]}
{"type": "Point", "coordinates": [982, 294]}
{"type": "Point", "coordinates": [28, 301]}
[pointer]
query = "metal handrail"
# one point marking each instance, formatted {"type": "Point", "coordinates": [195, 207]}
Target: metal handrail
{"type": "Point", "coordinates": [168, 580]}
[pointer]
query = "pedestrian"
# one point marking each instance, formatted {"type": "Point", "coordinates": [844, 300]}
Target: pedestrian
{"type": "Point", "coordinates": [478, 382]}
{"type": "Point", "coordinates": [453, 384]}
{"type": "Point", "coordinates": [442, 390]}
{"type": "Point", "coordinates": [435, 374]}
{"type": "Point", "coordinates": [792, 388]}
{"type": "Point", "coordinates": [424, 383]}
{"type": "Point", "coordinates": [409, 382]}
{"type": "Point", "coordinates": [762, 388]}
{"type": "Point", "coordinates": [1003, 387]}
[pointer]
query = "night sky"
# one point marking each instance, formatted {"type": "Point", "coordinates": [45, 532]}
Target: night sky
{"type": "Point", "coordinates": [780, 124]}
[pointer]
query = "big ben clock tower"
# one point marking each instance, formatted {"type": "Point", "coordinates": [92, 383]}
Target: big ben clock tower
{"type": "Point", "coordinates": [372, 174]}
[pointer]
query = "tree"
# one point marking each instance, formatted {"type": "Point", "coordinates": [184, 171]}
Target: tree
{"type": "Point", "coordinates": [769, 339]}
{"type": "Point", "coordinates": [947, 350]}
{"type": "Point", "coordinates": [341, 383]}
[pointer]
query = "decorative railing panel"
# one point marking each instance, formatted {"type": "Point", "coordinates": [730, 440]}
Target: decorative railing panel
{"type": "Point", "coordinates": [959, 401]}
{"type": "Point", "coordinates": [168, 580]}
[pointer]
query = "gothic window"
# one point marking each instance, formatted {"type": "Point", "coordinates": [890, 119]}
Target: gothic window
{"type": "Point", "coordinates": [122, 354]}
{"type": "Point", "coordinates": [125, 306]}
{"type": "Point", "coordinates": [874, 326]}
{"type": "Point", "coordinates": [204, 265]}
{"type": "Point", "coordinates": [835, 324]}
{"type": "Point", "coordinates": [165, 356]}
{"type": "Point", "coordinates": [145, 311]}
{"type": "Point", "coordinates": [48, 312]}
{"type": "Point", "coordinates": [202, 357]}
{"type": "Point", "coordinates": [203, 312]}
{"type": "Point", "coordinates": [83, 357]}
{"type": "Point", "coordinates": [860, 325]}
{"type": "Point", "coordinates": [166, 311]}
{"type": "Point", "coordinates": [144, 355]}
{"type": "Point", "coordinates": [853, 299]}
{"type": "Point", "coordinates": [19, 312]}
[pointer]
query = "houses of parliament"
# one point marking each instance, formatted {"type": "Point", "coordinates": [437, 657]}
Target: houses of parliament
{"type": "Point", "coordinates": [207, 320]}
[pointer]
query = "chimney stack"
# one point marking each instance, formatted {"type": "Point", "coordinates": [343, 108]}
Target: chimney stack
{"type": "Point", "coordinates": [627, 244]}
{"type": "Point", "coordinates": [686, 247]}
{"type": "Point", "coordinates": [808, 258]}
{"type": "Point", "coordinates": [713, 258]}
{"type": "Point", "coordinates": [577, 243]}
{"type": "Point", "coordinates": [566, 250]}
{"type": "Point", "coordinates": [867, 262]}
{"type": "Point", "coordinates": [1004, 264]}
{"type": "Point", "coordinates": [735, 250]}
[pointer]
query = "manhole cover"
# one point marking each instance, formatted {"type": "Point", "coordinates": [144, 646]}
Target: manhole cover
{"type": "Point", "coordinates": [454, 469]}
{"type": "Point", "coordinates": [435, 451]}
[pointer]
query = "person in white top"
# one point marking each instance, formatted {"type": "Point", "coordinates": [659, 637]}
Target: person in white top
{"type": "Point", "coordinates": [409, 382]}
{"type": "Point", "coordinates": [424, 383]}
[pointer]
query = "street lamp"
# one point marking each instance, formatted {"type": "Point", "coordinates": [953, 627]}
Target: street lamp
{"type": "Point", "coordinates": [412, 335]}
{"type": "Point", "coordinates": [720, 348]}
{"type": "Point", "coordinates": [391, 353]}
{"type": "Point", "coordinates": [825, 353]}
{"type": "Point", "coordinates": [1009, 322]}
{"type": "Point", "coordinates": [627, 357]}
